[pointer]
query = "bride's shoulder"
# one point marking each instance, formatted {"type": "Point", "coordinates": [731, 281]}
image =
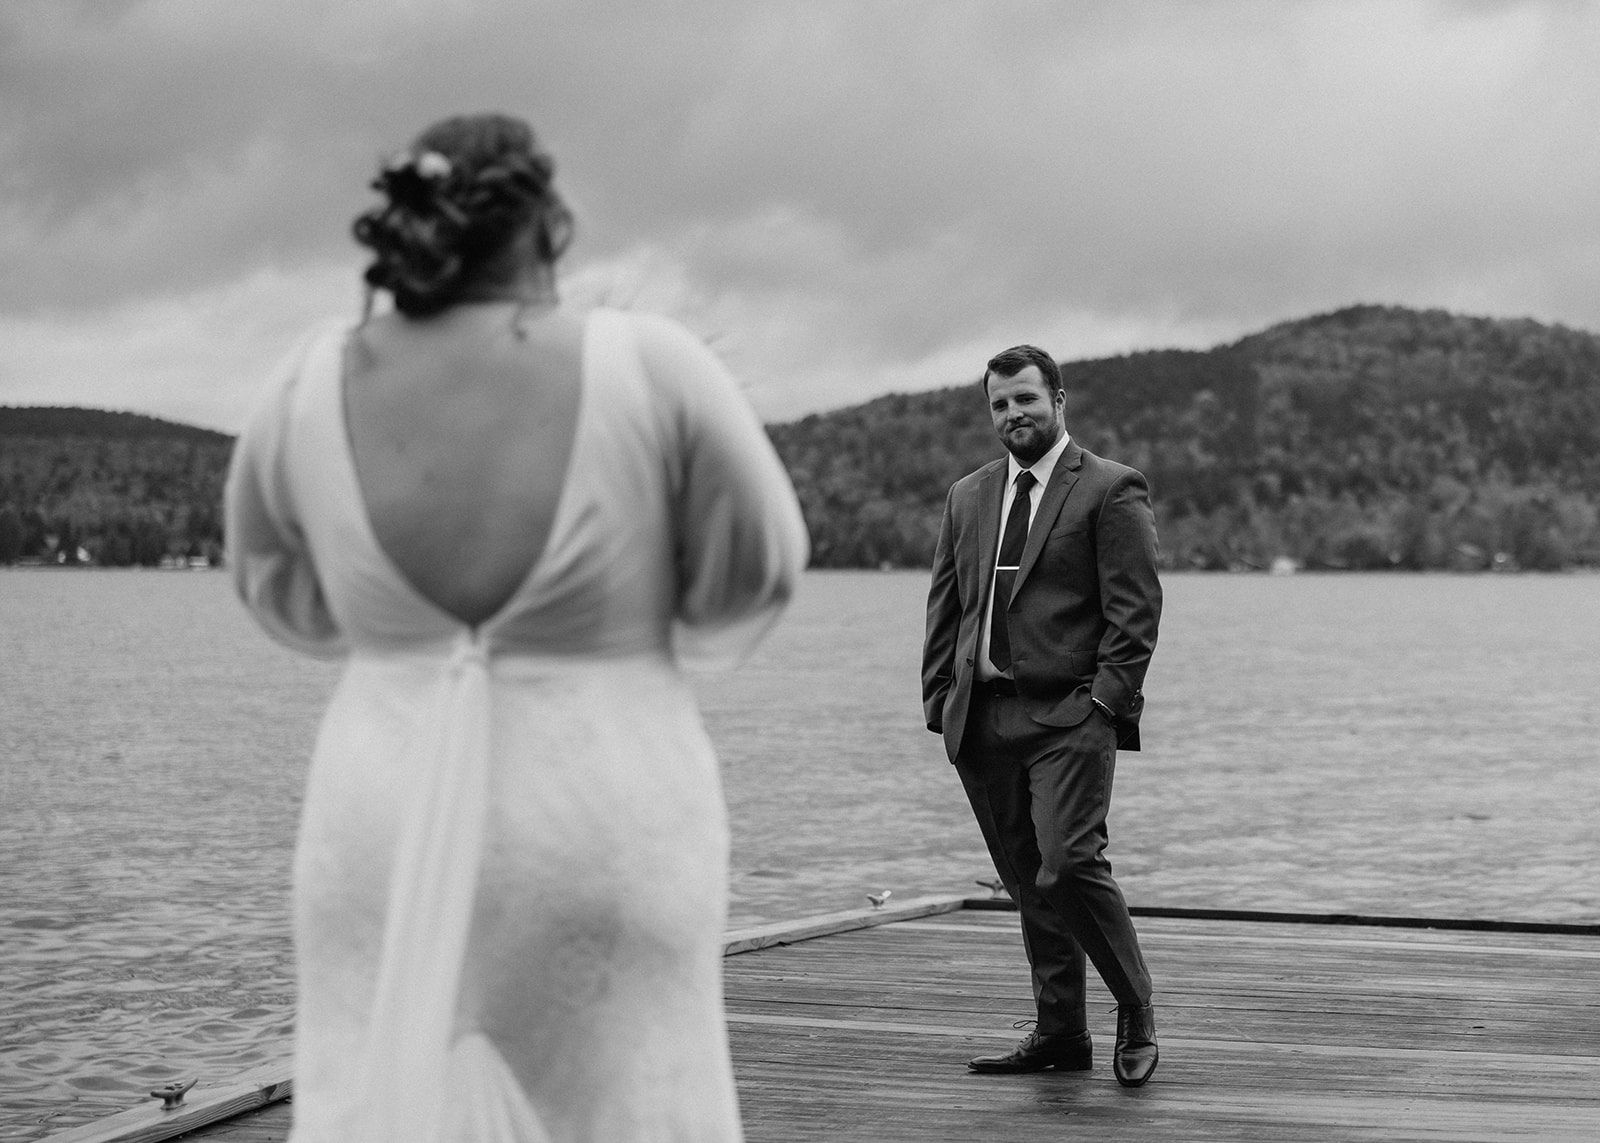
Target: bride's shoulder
{"type": "Point", "coordinates": [318, 345]}
{"type": "Point", "coordinates": [675, 359]}
{"type": "Point", "coordinates": [655, 333]}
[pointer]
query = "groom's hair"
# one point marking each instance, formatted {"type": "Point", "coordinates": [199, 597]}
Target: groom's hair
{"type": "Point", "coordinates": [1010, 362]}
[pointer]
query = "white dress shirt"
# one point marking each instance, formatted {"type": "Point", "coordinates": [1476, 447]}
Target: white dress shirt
{"type": "Point", "coordinates": [1041, 469]}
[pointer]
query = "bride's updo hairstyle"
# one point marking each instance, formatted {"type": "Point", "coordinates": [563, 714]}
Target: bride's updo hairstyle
{"type": "Point", "coordinates": [454, 204]}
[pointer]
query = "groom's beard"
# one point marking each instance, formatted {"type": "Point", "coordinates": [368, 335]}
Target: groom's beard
{"type": "Point", "coordinates": [1028, 438]}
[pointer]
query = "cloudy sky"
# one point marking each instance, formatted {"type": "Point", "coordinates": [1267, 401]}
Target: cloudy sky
{"type": "Point", "coordinates": [846, 198]}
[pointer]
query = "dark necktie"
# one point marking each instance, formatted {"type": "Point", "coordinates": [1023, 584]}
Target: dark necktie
{"type": "Point", "coordinates": [1005, 572]}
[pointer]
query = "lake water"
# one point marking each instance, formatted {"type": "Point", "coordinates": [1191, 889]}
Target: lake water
{"type": "Point", "coordinates": [1413, 744]}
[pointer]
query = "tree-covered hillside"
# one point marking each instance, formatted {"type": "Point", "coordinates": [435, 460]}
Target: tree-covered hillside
{"type": "Point", "coordinates": [108, 488]}
{"type": "Point", "coordinates": [1373, 437]}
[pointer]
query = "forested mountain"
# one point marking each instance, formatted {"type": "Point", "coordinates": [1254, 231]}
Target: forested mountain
{"type": "Point", "coordinates": [1372, 437]}
{"type": "Point", "coordinates": [85, 485]}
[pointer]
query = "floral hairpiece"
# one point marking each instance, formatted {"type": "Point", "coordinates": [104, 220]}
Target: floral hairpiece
{"type": "Point", "coordinates": [417, 180]}
{"type": "Point", "coordinates": [429, 165]}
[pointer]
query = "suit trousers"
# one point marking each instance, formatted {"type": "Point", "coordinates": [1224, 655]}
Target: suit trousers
{"type": "Point", "coordinates": [1040, 794]}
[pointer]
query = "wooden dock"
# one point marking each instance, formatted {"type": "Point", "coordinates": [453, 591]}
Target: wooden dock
{"type": "Point", "coordinates": [1271, 1029]}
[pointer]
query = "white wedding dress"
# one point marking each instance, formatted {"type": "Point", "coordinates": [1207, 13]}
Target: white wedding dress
{"type": "Point", "coordinates": [510, 885]}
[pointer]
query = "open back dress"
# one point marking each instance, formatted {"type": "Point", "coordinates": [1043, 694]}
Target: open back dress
{"type": "Point", "coordinates": [510, 881]}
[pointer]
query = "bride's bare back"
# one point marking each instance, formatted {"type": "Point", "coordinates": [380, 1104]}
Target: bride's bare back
{"type": "Point", "coordinates": [461, 430]}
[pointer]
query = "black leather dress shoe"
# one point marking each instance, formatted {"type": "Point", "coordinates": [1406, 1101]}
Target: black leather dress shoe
{"type": "Point", "coordinates": [1066, 1051]}
{"type": "Point", "coordinates": [1136, 1053]}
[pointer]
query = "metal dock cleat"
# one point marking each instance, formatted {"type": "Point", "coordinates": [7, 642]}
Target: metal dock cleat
{"type": "Point", "coordinates": [172, 1094]}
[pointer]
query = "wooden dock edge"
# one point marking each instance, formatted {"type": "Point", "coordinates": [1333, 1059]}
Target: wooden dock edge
{"type": "Point", "coordinates": [201, 1107]}
{"type": "Point", "coordinates": [1370, 920]}
{"type": "Point", "coordinates": [827, 924]}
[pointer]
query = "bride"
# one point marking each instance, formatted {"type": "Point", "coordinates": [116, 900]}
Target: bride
{"type": "Point", "coordinates": [514, 524]}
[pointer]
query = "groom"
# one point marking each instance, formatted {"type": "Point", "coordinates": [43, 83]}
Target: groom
{"type": "Point", "coordinates": [1042, 617]}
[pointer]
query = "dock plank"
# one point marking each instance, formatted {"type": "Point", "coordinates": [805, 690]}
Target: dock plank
{"type": "Point", "coordinates": [269, 1125]}
{"type": "Point", "coordinates": [1269, 1031]}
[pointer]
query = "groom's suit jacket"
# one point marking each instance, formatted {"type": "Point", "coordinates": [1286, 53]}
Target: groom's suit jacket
{"type": "Point", "coordinates": [1083, 611]}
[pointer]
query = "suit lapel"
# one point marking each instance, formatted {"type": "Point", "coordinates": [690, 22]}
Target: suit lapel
{"type": "Point", "coordinates": [1055, 495]}
{"type": "Point", "coordinates": [991, 490]}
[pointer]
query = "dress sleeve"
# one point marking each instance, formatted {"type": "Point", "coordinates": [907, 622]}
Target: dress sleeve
{"type": "Point", "coordinates": [741, 540]}
{"type": "Point", "coordinates": [272, 569]}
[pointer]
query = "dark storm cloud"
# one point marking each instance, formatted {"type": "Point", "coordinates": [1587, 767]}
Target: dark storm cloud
{"type": "Point", "coordinates": [857, 195]}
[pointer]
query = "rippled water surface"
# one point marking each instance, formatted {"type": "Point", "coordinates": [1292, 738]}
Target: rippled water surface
{"type": "Point", "coordinates": [1387, 744]}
